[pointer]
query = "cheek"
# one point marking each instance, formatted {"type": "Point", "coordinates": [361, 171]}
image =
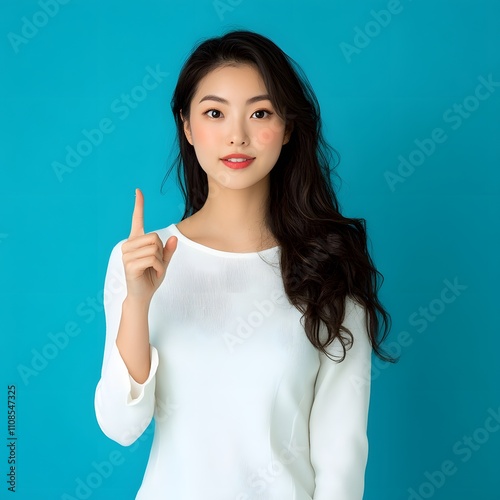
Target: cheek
{"type": "Point", "coordinates": [201, 135]}
{"type": "Point", "coordinates": [270, 134]}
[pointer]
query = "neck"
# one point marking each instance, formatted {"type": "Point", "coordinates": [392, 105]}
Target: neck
{"type": "Point", "coordinates": [235, 214]}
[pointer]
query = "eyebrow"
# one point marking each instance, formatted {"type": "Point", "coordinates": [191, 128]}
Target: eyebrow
{"type": "Point", "coordinates": [210, 97]}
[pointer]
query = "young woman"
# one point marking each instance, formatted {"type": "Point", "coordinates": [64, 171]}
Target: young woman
{"type": "Point", "coordinates": [247, 328]}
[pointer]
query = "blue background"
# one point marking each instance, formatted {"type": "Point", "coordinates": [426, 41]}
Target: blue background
{"type": "Point", "coordinates": [379, 97]}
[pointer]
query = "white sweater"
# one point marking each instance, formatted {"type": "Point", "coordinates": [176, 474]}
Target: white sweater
{"type": "Point", "coordinates": [245, 407]}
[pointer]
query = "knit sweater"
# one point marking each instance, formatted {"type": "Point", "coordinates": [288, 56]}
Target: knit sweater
{"type": "Point", "coordinates": [245, 407]}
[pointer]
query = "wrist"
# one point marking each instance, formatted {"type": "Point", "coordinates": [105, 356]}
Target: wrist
{"type": "Point", "coordinates": [136, 303]}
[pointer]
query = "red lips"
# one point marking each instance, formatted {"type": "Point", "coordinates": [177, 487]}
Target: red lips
{"type": "Point", "coordinates": [237, 155]}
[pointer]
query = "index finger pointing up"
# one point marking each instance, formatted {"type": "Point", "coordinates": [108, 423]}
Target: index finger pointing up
{"type": "Point", "coordinates": [138, 215]}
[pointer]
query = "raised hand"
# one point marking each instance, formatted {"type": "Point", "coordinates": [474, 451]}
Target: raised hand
{"type": "Point", "coordinates": [145, 259]}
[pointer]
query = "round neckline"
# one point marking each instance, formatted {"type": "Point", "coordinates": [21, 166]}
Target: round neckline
{"type": "Point", "coordinates": [175, 230]}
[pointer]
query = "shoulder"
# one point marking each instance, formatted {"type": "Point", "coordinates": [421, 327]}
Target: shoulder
{"type": "Point", "coordinates": [165, 232]}
{"type": "Point", "coordinates": [356, 319]}
{"type": "Point", "coordinates": [353, 308]}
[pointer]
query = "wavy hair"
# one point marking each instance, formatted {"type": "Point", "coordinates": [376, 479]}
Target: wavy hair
{"type": "Point", "coordinates": [324, 255]}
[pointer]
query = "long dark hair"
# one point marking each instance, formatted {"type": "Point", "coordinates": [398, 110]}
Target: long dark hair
{"type": "Point", "coordinates": [324, 255]}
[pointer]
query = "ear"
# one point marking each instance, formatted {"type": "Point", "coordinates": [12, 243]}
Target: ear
{"type": "Point", "coordinates": [288, 132]}
{"type": "Point", "coordinates": [187, 129]}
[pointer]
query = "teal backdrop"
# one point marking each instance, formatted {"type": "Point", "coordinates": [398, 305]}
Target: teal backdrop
{"type": "Point", "coordinates": [410, 98]}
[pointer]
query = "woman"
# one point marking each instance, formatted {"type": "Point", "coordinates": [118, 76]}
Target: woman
{"type": "Point", "coordinates": [204, 331]}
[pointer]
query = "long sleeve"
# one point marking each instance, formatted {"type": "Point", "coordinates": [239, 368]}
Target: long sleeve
{"type": "Point", "coordinates": [123, 407]}
{"type": "Point", "coordinates": [339, 414]}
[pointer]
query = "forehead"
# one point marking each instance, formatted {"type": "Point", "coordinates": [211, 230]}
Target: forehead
{"type": "Point", "coordinates": [232, 82]}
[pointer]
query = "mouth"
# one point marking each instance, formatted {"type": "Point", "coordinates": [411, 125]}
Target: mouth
{"type": "Point", "coordinates": [237, 161]}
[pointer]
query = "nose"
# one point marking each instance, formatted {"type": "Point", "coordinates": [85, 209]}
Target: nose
{"type": "Point", "coordinates": [238, 133]}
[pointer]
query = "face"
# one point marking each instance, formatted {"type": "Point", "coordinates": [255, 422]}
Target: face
{"type": "Point", "coordinates": [231, 113]}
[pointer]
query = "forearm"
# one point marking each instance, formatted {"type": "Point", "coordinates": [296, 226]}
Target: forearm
{"type": "Point", "coordinates": [133, 338]}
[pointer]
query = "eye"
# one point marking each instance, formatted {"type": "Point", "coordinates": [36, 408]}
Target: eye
{"type": "Point", "coordinates": [210, 111]}
{"type": "Point", "coordinates": [263, 111]}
